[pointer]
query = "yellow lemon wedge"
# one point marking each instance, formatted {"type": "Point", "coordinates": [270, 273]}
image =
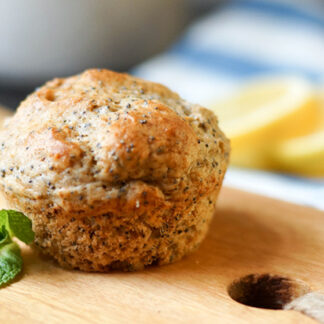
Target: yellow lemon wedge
{"type": "Point", "coordinates": [305, 155]}
{"type": "Point", "coordinates": [263, 113]}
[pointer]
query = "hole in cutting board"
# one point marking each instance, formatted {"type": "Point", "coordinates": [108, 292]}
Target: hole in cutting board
{"type": "Point", "coordinates": [266, 291]}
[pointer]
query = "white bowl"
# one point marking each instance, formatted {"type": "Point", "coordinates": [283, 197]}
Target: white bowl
{"type": "Point", "coordinates": [40, 39]}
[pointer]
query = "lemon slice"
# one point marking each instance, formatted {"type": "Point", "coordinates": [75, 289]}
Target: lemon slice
{"type": "Point", "coordinates": [264, 113]}
{"type": "Point", "coordinates": [305, 155]}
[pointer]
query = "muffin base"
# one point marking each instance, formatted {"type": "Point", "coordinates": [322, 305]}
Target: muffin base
{"type": "Point", "coordinates": [97, 244]}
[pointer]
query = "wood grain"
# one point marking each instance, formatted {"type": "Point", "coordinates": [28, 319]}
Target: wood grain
{"type": "Point", "coordinates": [249, 234]}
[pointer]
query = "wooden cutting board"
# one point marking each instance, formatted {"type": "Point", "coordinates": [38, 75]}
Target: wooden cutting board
{"type": "Point", "coordinates": [249, 235]}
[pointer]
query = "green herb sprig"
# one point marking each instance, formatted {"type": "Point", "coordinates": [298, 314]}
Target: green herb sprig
{"type": "Point", "coordinates": [12, 224]}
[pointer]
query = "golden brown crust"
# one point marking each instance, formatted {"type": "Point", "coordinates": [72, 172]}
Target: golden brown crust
{"type": "Point", "coordinates": [103, 143]}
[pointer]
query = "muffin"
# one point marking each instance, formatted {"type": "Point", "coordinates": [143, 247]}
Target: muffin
{"type": "Point", "coordinates": [115, 172]}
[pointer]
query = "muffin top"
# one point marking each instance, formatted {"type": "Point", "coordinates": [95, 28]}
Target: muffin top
{"type": "Point", "coordinates": [102, 139]}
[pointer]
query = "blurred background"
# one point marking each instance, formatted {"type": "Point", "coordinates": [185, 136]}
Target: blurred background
{"type": "Point", "coordinates": [45, 39]}
{"type": "Point", "coordinates": [259, 64]}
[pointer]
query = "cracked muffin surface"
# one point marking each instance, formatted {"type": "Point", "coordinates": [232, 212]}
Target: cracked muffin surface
{"type": "Point", "coordinates": [114, 171]}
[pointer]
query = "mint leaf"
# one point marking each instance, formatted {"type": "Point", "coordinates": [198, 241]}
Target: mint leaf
{"type": "Point", "coordinates": [12, 224]}
{"type": "Point", "coordinates": [4, 236]}
{"type": "Point", "coordinates": [10, 262]}
{"type": "Point", "coordinates": [18, 225]}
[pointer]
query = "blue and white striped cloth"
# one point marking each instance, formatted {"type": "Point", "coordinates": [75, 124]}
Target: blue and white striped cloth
{"type": "Point", "coordinates": [242, 40]}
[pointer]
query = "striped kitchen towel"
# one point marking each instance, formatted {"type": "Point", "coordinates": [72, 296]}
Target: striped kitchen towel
{"type": "Point", "coordinates": [242, 40]}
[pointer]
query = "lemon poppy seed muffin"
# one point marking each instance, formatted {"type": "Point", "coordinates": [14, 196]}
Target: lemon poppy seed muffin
{"type": "Point", "coordinates": [115, 172]}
